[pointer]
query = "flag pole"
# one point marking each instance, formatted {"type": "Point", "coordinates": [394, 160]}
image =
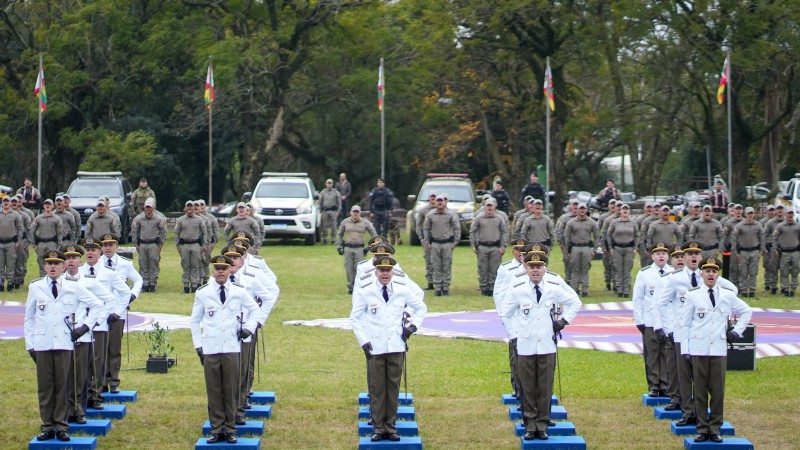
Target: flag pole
{"type": "Point", "coordinates": [39, 151]}
{"type": "Point", "coordinates": [210, 141]}
{"type": "Point", "coordinates": [730, 133]}
{"type": "Point", "coordinates": [547, 145]}
{"type": "Point", "coordinates": [383, 124]}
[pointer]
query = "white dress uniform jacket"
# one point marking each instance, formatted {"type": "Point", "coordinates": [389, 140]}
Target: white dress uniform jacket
{"type": "Point", "coordinates": [260, 264]}
{"type": "Point", "coordinates": [256, 289]}
{"type": "Point", "coordinates": [107, 298]}
{"type": "Point", "coordinates": [215, 327]}
{"type": "Point", "coordinates": [110, 280]}
{"type": "Point", "coordinates": [531, 320]}
{"type": "Point", "coordinates": [708, 325]}
{"type": "Point", "coordinates": [368, 275]}
{"type": "Point", "coordinates": [645, 288]}
{"type": "Point", "coordinates": [125, 269]}
{"type": "Point", "coordinates": [381, 323]}
{"type": "Point", "coordinates": [45, 327]}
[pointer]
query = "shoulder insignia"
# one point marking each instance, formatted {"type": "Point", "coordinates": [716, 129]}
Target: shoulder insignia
{"type": "Point", "coordinates": [362, 262]}
{"type": "Point", "coordinates": [365, 285]}
{"type": "Point", "coordinates": [236, 283]}
{"type": "Point", "coordinates": [553, 282]}
{"type": "Point", "coordinates": [89, 276]}
{"type": "Point", "coordinates": [521, 274]}
{"type": "Point", "coordinates": [726, 288]}
{"type": "Point", "coordinates": [114, 269]}
{"type": "Point", "coordinates": [124, 258]}
{"type": "Point", "coordinates": [67, 277]}
{"type": "Point", "coordinates": [399, 273]}
{"type": "Point", "coordinates": [366, 275]}
{"type": "Point", "coordinates": [551, 273]}
{"type": "Point", "coordinates": [645, 267]}
{"type": "Point", "coordinates": [507, 262]}
{"type": "Point", "coordinates": [256, 257]}
{"type": "Point", "coordinates": [400, 282]}
{"type": "Point", "coordinates": [694, 288]}
{"type": "Point", "coordinates": [40, 278]}
{"type": "Point", "coordinates": [519, 284]}
{"type": "Point", "coordinates": [250, 274]}
{"type": "Point", "coordinates": [201, 287]}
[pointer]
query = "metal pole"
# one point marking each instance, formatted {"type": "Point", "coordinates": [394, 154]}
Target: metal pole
{"type": "Point", "coordinates": [547, 146]}
{"type": "Point", "coordinates": [39, 154]}
{"type": "Point", "coordinates": [730, 134]}
{"type": "Point", "coordinates": [210, 146]}
{"type": "Point", "coordinates": [708, 164]}
{"type": "Point", "coordinates": [383, 124]}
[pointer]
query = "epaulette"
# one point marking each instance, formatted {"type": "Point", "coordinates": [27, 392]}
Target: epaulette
{"type": "Point", "coordinates": [507, 262]}
{"type": "Point", "coordinates": [362, 262]}
{"type": "Point", "coordinates": [256, 256]}
{"type": "Point", "coordinates": [521, 274]}
{"type": "Point", "coordinates": [400, 282]}
{"type": "Point", "coordinates": [67, 277]}
{"type": "Point", "coordinates": [673, 272]}
{"type": "Point", "coordinates": [122, 257]}
{"type": "Point", "coordinates": [89, 276]}
{"type": "Point", "coordinates": [519, 284]}
{"type": "Point", "coordinates": [694, 288]}
{"type": "Point", "coordinates": [370, 270]}
{"type": "Point", "coordinates": [553, 282]}
{"type": "Point", "coordinates": [40, 278]}
{"type": "Point", "coordinates": [236, 283]}
{"type": "Point", "coordinates": [726, 288]}
{"type": "Point", "coordinates": [365, 276]}
{"type": "Point", "coordinates": [645, 267]}
{"type": "Point", "coordinates": [201, 287]}
{"type": "Point", "coordinates": [550, 272]}
{"type": "Point", "coordinates": [365, 285]}
{"type": "Point", "coordinates": [111, 268]}
{"type": "Point", "coordinates": [399, 272]}
{"type": "Point", "coordinates": [249, 274]}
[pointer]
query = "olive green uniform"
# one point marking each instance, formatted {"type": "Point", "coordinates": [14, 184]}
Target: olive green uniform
{"type": "Point", "coordinates": [747, 244]}
{"type": "Point", "coordinates": [419, 224]}
{"type": "Point", "coordinates": [190, 238]}
{"type": "Point", "coordinates": [786, 240]}
{"type": "Point", "coordinates": [538, 230]}
{"type": "Point", "coordinates": [727, 232]}
{"type": "Point", "coordinates": [561, 223]}
{"type": "Point", "coordinates": [139, 196]}
{"type": "Point", "coordinates": [330, 204]}
{"type": "Point", "coordinates": [21, 263]}
{"type": "Point", "coordinates": [212, 236]}
{"type": "Point", "coordinates": [644, 257]}
{"type": "Point", "coordinates": [46, 232]}
{"type": "Point", "coordinates": [665, 231]}
{"type": "Point", "coordinates": [149, 236]}
{"type": "Point", "coordinates": [246, 223]}
{"type": "Point", "coordinates": [708, 234]}
{"type": "Point", "coordinates": [771, 259]}
{"type": "Point", "coordinates": [442, 233]}
{"type": "Point", "coordinates": [623, 235]}
{"type": "Point", "coordinates": [580, 236]}
{"type": "Point", "coordinates": [350, 237]}
{"type": "Point", "coordinates": [97, 225]}
{"type": "Point", "coordinates": [11, 235]}
{"type": "Point", "coordinates": [68, 236]}
{"type": "Point", "coordinates": [488, 235]}
{"type": "Point", "coordinates": [608, 262]}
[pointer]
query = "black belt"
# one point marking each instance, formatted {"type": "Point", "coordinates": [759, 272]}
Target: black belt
{"type": "Point", "coordinates": [747, 249]}
{"type": "Point", "coordinates": [6, 241]}
{"type": "Point", "coordinates": [184, 241]}
{"type": "Point", "coordinates": [790, 250]}
{"type": "Point", "coordinates": [332, 208]}
{"type": "Point", "coordinates": [444, 241]}
{"type": "Point", "coordinates": [582, 244]}
{"type": "Point", "coordinates": [52, 239]}
{"type": "Point", "coordinates": [547, 242]}
{"type": "Point", "coordinates": [354, 245]}
{"type": "Point", "coordinates": [489, 244]}
{"type": "Point", "coordinates": [626, 245]}
{"type": "Point", "coordinates": [149, 241]}
{"type": "Point", "coordinates": [709, 247]}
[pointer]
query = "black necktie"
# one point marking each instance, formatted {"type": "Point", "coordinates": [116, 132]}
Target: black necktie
{"type": "Point", "coordinates": [661, 271]}
{"type": "Point", "coordinates": [694, 279]}
{"type": "Point", "coordinates": [233, 279]}
{"type": "Point", "coordinates": [54, 290]}
{"type": "Point", "coordinates": [385, 294]}
{"type": "Point", "coordinates": [108, 263]}
{"type": "Point", "coordinates": [222, 294]}
{"type": "Point", "coordinates": [711, 296]}
{"type": "Point", "coordinates": [91, 270]}
{"type": "Point", "coordinates": [538, 293]}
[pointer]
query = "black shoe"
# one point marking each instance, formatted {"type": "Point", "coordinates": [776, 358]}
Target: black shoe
{"type": "Point", "coordinates": [186, 291]}
{"type": "Point", "coordinates": [114, 390]}
{"type": "Point", "coordinates": [194, 289]}
{"type": "Point", "coordinates": [349, 291]}
{"type": "Point", "coordinates": [702, 437]}
{"type": "Point", "coordinates": [152, 288]}
{"type": "Point", "coordinates": [62, 435]}
{"type": "Point", "coordinates": [619, 294]}
{"type": "Point", "coordinates": [247, 405]}
{"type": "Point", "coordinates": [215, 438]}
{"type": "Point", "coordinates": [10, 287]}
{"type": "Point", "coordinates": [230, 438]}
{"type": "Point", "coordinates": [437, 294]}
{"type": "Point", "coordinates": [2, 287]}
{"type": "Point", "coordinates": [672, 407]}
{"type": "Point", "coordinates": [551, 424]}
{"type": "Point", "coordinates": [445, 293]}
{"type": "Point", "coordinates": [430, 287]}
{"type": "Point", "coordinates": [46, 435]}
{"type": "Point", "coordinates": [663, 393]}
{"type": "Point", "coordinates": [715, 438]}
{"type": "Point", "coordinates": [752, 295]}
{"type": "Point", "coordinates": [584, 294]}
{"type": "Point", "coordinates": [773, 291]}
{"type": "Point", "coordinates": [686, 421]}
{"type": "Point", "coordinates": [653, 393]}
{"type": "Point", "coordinates": [96, 405]}
{"type": "Point", "coordinates": [240, 420]}
{"type": "Point", "coordinates": [530, 435]}
{"type": "Point", "coordinates": [370, 422]}
{"type": "Point", "coordinates": [81, 420]}
{"type": "Point", "coordinates": [376, 437]}
{"type": "Point", "coordinates": [542, 435]}
{"type": "Point", "coordinates": [71, 419]}
{"type": "Point", "coordinates": [391, 436]}
{"type": "Point", "coordinates": [608, 286]}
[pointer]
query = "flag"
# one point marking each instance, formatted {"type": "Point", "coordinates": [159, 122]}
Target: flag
{"type": "Point", "coordinates": [548, 87]}
{"type": "Point", "coordinates": [40, 91]}
{"type": "Point", "coordinates": [209, 95]}
{"type": "Point", "coordinates": [381, 89]}
{"type": "Point", "coordinates": [723, 80]}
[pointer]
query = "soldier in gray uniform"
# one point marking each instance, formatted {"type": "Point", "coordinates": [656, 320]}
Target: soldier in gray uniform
{"type": "Point", "coordinates": [149, 232]}
{"type": "Point", "coordinates": [102, 222]}
{"type": "Point", "coordinates": [561, 223]}
{"type": "Point", "coordinates": [520, 214]}
{"type": "Point", "coordinates": [727, 230]}
{"type": "Point", "coordinates": [212, 236]}
{"type": "Point", "coordinates": [77, 231]}
{"type": "Point", "coordinates": [664, 230]}
{"type": "Point", "coordinates": [690, 218]}
{"type": "Point", "coordinates": [623, 235]}
{"type": "Point", "coordinates": [21, 263]}
{"type": "Point", "coordinates": [46, 231]}
{"type": "Point", "coordinates": [330, 204]}
{"type": "Point", "coordinates": [771, 259]}
{"type": "Point", "coordinates": [537, 227]}
{"type": "Point", "coordinates": [442, 234]}
{"type": "Point", "coordinates": [190, 240]}
{"type": "Point", "coordinates": [242, 222]}
{"type": "Point", "coordinates": [644, 255]}
{"type": "Point", "coordinates": [68, 236]}
{"type": "Point", "coordinates": [602, 224]}
{"type": "Point", "coordinates": [707, 231]}
{"type": "Point", "coordinates": [419, 223]}
{"type": "Point", "coordinates": [770, 213]}
{"type": "Point", "coordinates": [644, 226]}
{"type": "Point", "coordinates": [11, 234]}
{"type": "Point", "coordinates": [259, 237]}
{"type": "Point", "coordinates": [350, 240]}
{"type": "Point", "coordinates": [488, 236]}
{"type": "Point", "coordinates": [520, 219]}
{"type": "Point", "coordinates": [580, 234]}
{"type": "Point", "coordinates": [747, 243]}
{"type": "Point", "coordinates": [786, 242]}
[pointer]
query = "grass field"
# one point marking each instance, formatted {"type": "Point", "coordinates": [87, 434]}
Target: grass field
{"type": "Point", "coordinates": [317, 374]}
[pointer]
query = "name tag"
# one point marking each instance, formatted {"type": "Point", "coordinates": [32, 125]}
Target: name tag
{"type": "Point", "coordinates": [652, 289]}
{"type": "Point", "coordinates": [682, 296]}
{"type": "Point", "coordinates": [373, 308]}
{"type": "Point", "coordinates": [701, 312]}
{"type": "Point", "coordinates": [41, 303]}
{"type": "Point", "coordinates": [526, 308]}
{"type": "Point", "coordinates": [210, 310]}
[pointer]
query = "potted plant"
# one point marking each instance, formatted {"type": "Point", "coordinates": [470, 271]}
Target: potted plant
{"type": "Point", "coordinates": [159, 348]}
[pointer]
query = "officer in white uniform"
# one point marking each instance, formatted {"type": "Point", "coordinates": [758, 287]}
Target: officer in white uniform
{"type": "Point", "coordinates": [365, 270]}
{"type": "Point", "coordinates": [377, 321]}
{"type": "Point", "coordinates": [530, 304]}
{"type": "Point", "coordinates": [502, 283]}
{"type": "Point", "coordinates": [705, 315]}
{"type": "Point", "coordinates": [53, 303]}
{"type": "Point", "coordinates": [217, 327]}
{"type": "Point", "coordinates": [256, 261]}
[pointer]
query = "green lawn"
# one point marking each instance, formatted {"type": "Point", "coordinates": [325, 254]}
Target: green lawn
{"type": "Point", "coordinates": [317, 374]}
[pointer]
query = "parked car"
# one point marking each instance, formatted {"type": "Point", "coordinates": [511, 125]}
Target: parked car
{"type": "Point", "coordinates": [461, 199]}
{"type": "Point", "coordinates": [790, 196]}
{"type": "Point", "coordinates": [87, 187]}
{"type": "Point", "coordinates": [286, 203]}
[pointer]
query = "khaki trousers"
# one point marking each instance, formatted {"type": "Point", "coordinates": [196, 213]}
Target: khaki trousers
{"type": "Point", "coordinates": [222, 381]}
{"type": "Point", "coordinates": [384, 390]}
{"type": "Point", "coordinates": [790, 266]}
{"type": "Point", "coordinates": [536, 379]}
{"type": "Point", "coordinates": [488, 262]}
{"type": "Point", "coordinates": [623, 264]}
{"type": "Point", "coordinates": [655, 361]}
{"type": "Point", "coordinates": [580, 258]}
{"type": "Point", "coordinates": [52, 375]}
{"type": "Point", "coordinates": [98, 376]}
{"type": "Point", "coordinates": [190, 263]}
{"type": "Point", "coordinates": [709, 379]}
{"type": "Point", "coordinates": [442, 262]}
{"type": "Point", "coordinates": [747, 271]}
{"type": "Point", "coordinates": [114, 357]}
{"type": "Point", "coordinates": [81, 354]}
{"type": "Point", "coordinates": [352, 256]}
{"type": "Point", "coordinates": [8, 260]}
{"type": "Point", "coordinates": [149, 263]}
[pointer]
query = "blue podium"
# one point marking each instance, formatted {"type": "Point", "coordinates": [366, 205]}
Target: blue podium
{"type": "Point", "coordinates": [405, 399]}
{"type": "Point", "coordinates": [259, 412]}
{"type": "Point", "coordinates": [404, 428]}
{"type": "Point", "coordinates": [110, 411]}
{"type": "Point", "coordinates": [250, 427]}
{"type": "Point", "coordinates": [725, 430]}
{"type": "Point", "coordinates": [405, 443]}
{"type": "Point", "coordinates": [509, 399]}
{"type": "Point", "coordinates": [262, 397]}
{"type": "Point", "coordinates": [243, 443]}
{"type": "Point", "coordinates": [555, 443]}
{"type": "Point", "coordinates": [97, 427]}
{"type": "Point", "coordinates": [654, 401]}
{"type": "Point", "coordinates": [75, 443]}
{"type": "Point", "coordinates": [726, 444]}
{"type": "Point", "coordinates": [560, 429]}
{"type": "Point", "coordinates": [663, 414]}
{"type": "Point", "coordinates": [120, 397]}
{"type": "Point", "coordinates": [403, 413]}
{"type": "Point", "coordinates": [556, 413]}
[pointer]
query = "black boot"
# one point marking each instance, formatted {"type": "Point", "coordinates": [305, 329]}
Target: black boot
{"type": "Point", "coordinates": [186, 289]}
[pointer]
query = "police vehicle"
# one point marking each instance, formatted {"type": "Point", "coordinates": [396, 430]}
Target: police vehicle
{"type": "Point", "coordinates": [461, 199]}
{"type": "Point", "coordinates": [285, 203]}
{"type": "Point", "coordinates": [87, 187]}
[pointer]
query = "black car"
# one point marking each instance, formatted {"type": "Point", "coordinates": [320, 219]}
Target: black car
{"type": "Point", "coordinates": [87, 187]}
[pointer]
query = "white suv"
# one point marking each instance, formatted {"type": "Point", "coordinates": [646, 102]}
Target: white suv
{"type": "Point", "coordinates": [285, 203]}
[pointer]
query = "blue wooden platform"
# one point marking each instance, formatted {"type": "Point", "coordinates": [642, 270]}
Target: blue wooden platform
{"type": "Point", "coordinates": [654, 401]}
{"type": "Point", "coordinates": [403, 413]}
{"type": "Point", "coordinates": [250, 427]}
{"type": "Point", "coordinates": [662, 414]}
{"type": "Point", "coordinates": [121, 397]}
{"type": "Point", "coordinates": [96, 427]}
{"type": "Point", "coordinates": [556, 413]}
{"type": "Point", "coordinates": [242, 444]}
{"type": "Point", "coordinates": [404, 428]}
{"type": "Point", "coordinates": [259, 412]}
{"type": "Point", "coordinates": [110, 411]}
{"type": "Point", "coordinates": [560, 429]}
{"type": "Point", "coordinates": [75, 443]}
{"type": "Point", "coordinates": [262, 397]}
{"type": "Point", "coordinates": [726, 444]}
{"type": "Point", "coordinates": [555, 443]}
{"type": "Point", "coordinates": [509, 399]}
{"type": "Point", "coordinates": [405, 443]}
{"type": "Point", "coordinates": [725, 430]}
{"type": "Point", "coordinates": [404, 399]}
